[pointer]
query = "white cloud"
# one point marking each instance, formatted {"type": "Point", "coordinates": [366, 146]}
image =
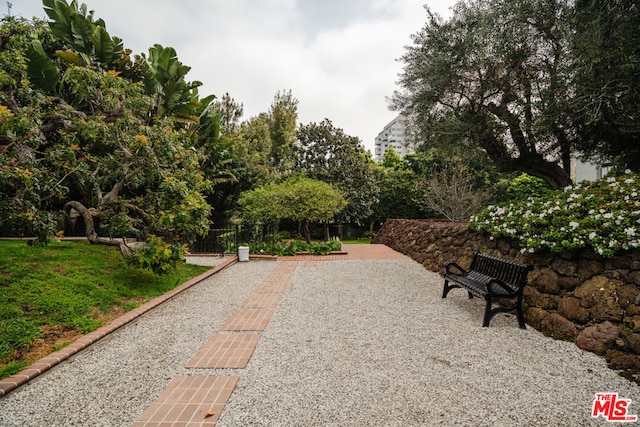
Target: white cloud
{"type": "Point", "coordinates": [338, 57]}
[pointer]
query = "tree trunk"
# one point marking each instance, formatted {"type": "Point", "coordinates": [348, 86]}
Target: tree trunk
{"type": "Point", "coordinates": [327, 235]}
{"type": "Point", "coordinates": [87, 215]}
{"type": "Point", "coordinates": [551, 172]}
{"type": "Point", "coordinates": [529, 161]}
{"type": "Point", "coordinates": [307, 233]}
{"type": "Point", "coordinates": [92, 236]}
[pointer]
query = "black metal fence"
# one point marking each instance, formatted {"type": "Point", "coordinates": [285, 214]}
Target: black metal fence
{"type": "Point", "coordinates": [217, 241]}
{"type": "Point", "coordinates": [227, 240]}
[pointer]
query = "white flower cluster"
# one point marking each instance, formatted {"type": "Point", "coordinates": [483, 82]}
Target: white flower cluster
{"type": "Point", "coordinates": [603, 215]}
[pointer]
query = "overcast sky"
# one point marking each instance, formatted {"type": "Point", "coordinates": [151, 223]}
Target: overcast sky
{"type": "Point", "coordinates": [338, 57]}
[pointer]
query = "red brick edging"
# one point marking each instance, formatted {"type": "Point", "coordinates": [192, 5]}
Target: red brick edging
{"type": "Point", "coordinates": [11, 383]}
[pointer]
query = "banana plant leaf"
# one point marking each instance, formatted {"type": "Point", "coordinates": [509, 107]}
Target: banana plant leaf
{"type": "Point", "coordinates": [41, 70]}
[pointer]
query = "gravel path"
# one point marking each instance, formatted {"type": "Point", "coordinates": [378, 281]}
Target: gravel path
{"type": "Point", "coordinates": [210, 261]}
{"type": "Point", "coordinates": [351, 343]}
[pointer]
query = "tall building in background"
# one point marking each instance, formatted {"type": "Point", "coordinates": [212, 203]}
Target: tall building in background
{"type": "Point", "coordinates": [393, 134]}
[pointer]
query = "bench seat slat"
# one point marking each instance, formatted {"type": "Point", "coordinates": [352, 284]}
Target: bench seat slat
{"type": "Point", "coordinates": [479, 282]}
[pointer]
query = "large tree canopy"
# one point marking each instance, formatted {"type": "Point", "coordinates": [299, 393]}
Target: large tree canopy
{"type": "Point", "coordinates": [501, 74]}
{"type": "Point", "coordinates": [606, 44]}
{"type": "Point", "coordinates": [256, 151]}
{"type": "Point", "coordinates": [78, 136]}
{"type": "Point", "coordinates": [326, 153]}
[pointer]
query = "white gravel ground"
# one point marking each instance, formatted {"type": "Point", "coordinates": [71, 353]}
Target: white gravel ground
{"type": "Point", "coordinates": [352, 343]}
{"type": "Point", "coordinates": [206, 260]}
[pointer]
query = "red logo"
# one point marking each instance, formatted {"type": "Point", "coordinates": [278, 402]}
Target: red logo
{"type": "Point", "coordinates": [612, 408]}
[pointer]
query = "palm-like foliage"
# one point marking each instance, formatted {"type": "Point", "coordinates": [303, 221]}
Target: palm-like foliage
{"type": "Point", "coordinates": [164, 79]}
{"type": "Point", "coordinates": [89, 40]}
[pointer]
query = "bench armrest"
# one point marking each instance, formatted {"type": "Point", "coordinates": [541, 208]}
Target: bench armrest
{"type": "Point", "coordinates": [451, 265]}
{"type": "Point", "coordinates": [501, 284]}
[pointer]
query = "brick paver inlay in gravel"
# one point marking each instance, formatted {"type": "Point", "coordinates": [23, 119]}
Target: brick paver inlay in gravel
{"type": "Point", "coordinates": [226, 351]}
{"type": "Point", "coordinates": [248, 319]}
{"type": "Point", "coordinates": [189, 401]}
{"type": "Point", "coordinates": [262, 300]}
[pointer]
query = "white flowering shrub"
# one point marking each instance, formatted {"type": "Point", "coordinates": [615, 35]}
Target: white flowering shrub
{"type": "Point", "coordinates": [603, 215]}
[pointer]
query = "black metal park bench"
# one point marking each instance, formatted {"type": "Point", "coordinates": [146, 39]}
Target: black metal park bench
{"type": "Point", "coordinates": [493, 279]}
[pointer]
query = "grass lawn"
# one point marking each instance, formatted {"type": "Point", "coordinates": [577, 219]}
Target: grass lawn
{"type": "Point", "coordinates": [357, 242]}
{"type": "Point", "coordinates": [52, 295]}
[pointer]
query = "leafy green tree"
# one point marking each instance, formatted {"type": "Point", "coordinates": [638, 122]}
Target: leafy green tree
{"type": "Point", "coordinates": [392, 159]}
{"type": "Point", "coordinates": [253, 146]}
{"type": "Point", "coordinates": [298, 199]}
{"type": "Point", "coordinates": [474, 161]}
{"type": "Point", "coordinates": [220, 163]}
{"type": "Point", "coordinates": [230, 113]}
{"type": "Point", "coordinates": [26, 193]}
{"type": "Point", "coordinates": [283, 117]}
{"type": "Point", "coordinates": [606, 64]}
{"type": "Point", "coordinates": [435, 183]}
{"type": "Point", "coordinates": [327, 154]}
{"type": "Point", "coordinates": [87, 148]}
{"type": "Point", "coordinates": [495, 76]}
{"type": "Point", "coordinates": [248, 149]}
{"type": "Point", "coordinates": [398, 197]}
{"type": "Point", "coordinates": [258, 150]}
{"type": "Point", "coordinates": [89, 44]}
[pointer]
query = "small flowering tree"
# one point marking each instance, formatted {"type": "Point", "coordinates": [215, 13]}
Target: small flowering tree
{"type": "Point", "coordinates": [603, 215]}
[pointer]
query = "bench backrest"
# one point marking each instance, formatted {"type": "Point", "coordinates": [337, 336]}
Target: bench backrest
{"type": "Point", "coordinates": [510, 272]}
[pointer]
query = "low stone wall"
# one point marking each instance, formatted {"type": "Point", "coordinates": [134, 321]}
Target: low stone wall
{"type": "Point", "coordinates": [574, 296]}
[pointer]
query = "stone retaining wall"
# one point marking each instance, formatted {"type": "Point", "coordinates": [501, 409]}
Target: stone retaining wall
{"type": "Point", "coordinates": [574, 296]}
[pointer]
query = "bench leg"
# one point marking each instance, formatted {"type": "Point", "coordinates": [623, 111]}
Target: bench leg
{"type": "Point", "coordinates": [487, 313]}
{"type": "Point", "coordinates": [447, 288]}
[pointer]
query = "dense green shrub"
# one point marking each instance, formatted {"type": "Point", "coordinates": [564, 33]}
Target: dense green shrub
{"type": "Point", "coordinates": [521, 188]}
{"type": "Point", "coordinates": [293, 247]}
{"type": "Point", "coordinates": [157, 255]}
{"type": "Point", "coordinates": [603, 215]}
